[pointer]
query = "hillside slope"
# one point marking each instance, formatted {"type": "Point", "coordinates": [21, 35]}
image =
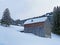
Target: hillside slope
{"type": "Point", "coordinates": [12, 36]}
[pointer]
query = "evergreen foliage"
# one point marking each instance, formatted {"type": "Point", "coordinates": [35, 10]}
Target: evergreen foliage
{"type": "Point", "coordinates": [56, 20]}
{"type": "Point", "coordinates": [17, 22]}
{"type": "Point", "coordinates": [6, 19]}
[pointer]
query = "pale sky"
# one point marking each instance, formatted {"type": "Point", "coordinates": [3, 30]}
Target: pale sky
{"type": "Point", "coordinates": [22, 9]}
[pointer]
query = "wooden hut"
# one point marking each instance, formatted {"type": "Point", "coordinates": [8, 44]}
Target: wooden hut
{"type": "Point", "coordinates": [38, 26]}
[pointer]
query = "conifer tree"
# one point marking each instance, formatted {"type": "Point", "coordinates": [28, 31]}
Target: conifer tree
{"type": "Point", "coordinates": [56, 20]}
{"type": "Point", "coordinates": [6, 19]}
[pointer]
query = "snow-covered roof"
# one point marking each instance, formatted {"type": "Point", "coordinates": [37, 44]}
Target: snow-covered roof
{"type": "Point", "coordinates": [42, 19]}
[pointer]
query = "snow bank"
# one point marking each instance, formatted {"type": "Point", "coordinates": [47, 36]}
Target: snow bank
{"type": "Point", "coordinates": [10, 36]}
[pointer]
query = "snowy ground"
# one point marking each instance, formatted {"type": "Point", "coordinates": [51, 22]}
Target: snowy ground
{"type": "Point", "coordinates": [12, 36]}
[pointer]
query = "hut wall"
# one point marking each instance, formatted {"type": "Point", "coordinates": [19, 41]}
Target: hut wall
{"type": "Point", "coordinates": [28, 29]}
{"type": "Point", "coordinates": [37, 29]}
{"type": "Point", "coordinates": [47, 27]}
{"type": "Point", "coordinates": [34, 24]}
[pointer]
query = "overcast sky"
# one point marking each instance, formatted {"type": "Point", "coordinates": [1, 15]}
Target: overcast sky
{"type": "Point", "coordinates": [22, 9]}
